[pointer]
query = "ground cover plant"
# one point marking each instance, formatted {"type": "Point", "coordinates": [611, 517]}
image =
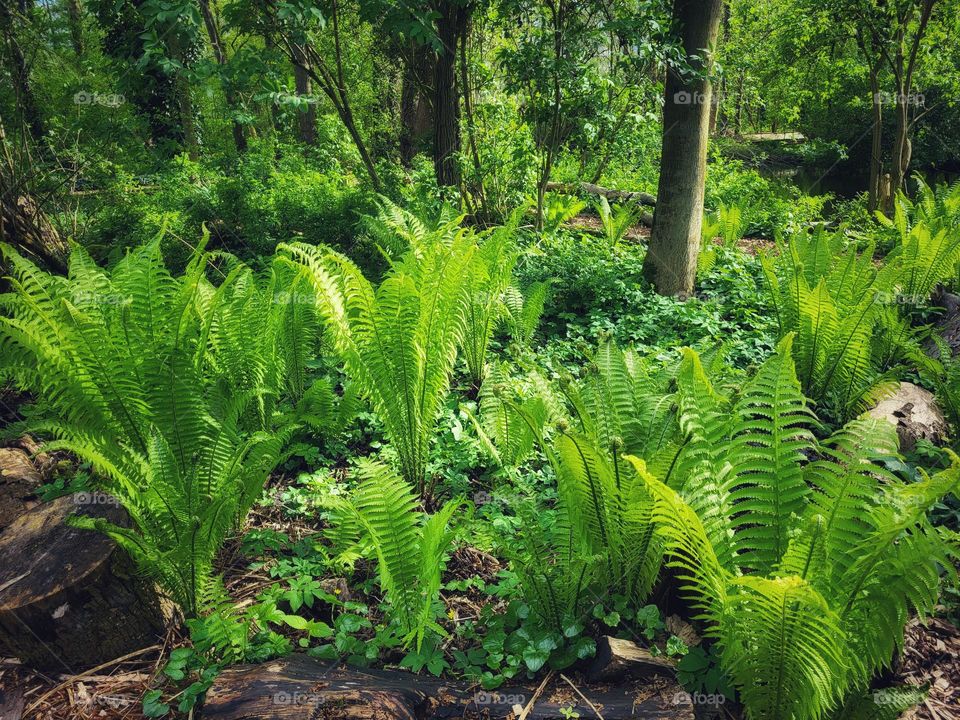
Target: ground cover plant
{"type": "Point", "coordinates": [468, 342]}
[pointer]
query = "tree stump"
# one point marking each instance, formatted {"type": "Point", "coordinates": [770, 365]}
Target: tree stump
{"type": "Point", "coordinates": [19, 481]}
{"type": "Point", "coordinates": [914, 412]}
{"type": "Point", "coordinates": [618, 658]}
{"type": "Point", "coordinates": [69, 598]}
{"type": "Point", "coordinates": [298, 687]}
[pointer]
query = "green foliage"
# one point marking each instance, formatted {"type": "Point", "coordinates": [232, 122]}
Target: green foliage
{"type": "Point", "coordinates": [850, 332]}
{"type": "Point", "coordinates": [523, 309]}
{"type": "Point", "coordinates": [398, 342]}
{"type": "Point", "coordinates": [409, 549]}
{"type": "Point", "coordinates": [559, 209]}
{"type": "Point", "coordinates": [617, 221]}
{"type": "Point", "coordinates": [806, 572]}
{"type": "Point", "coordinates": [167, 386]}
{"type": "Point", "coordinates": [597, 291]}
{"type": "Point", "coordinates": [725, 223]}
{"type": "Point", "coordinates": [601, 540]}
{"type": "Point", "coordinates": [488, 278]}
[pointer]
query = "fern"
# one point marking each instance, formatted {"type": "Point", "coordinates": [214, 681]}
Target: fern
{"type": "Point", "coordinates": [399, 341]}
{"type": "Point", "coordinates": [843, 312]}
{"type": "Point", "coordinates": [605, 539]}
{"type": "Point", "coordinates": [409, 549]}
{"type": "Point", "coordinates": [168, 386]}
{"type": "Point", "coordinates": [616, 222]}
{"type": "Point", "coordinates": [805, 571]}
{"type": "Point", "coordinates": [523, 308]}
{"type": "Point", "coordinates": [488, 278]}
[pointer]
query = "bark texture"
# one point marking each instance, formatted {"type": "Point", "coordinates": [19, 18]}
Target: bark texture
{"type": "Point", "coordinates": [69, 598]}
{"type": "Point", "coordinates": [671, 262]}
{"type": "Point", "coordinates": [300, 688]}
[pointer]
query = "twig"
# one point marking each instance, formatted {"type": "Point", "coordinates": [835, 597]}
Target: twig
{"type": "Point", "coordinates": [585, 699]}
{"type": "Point", "coordinates": [526, 710]}
{"type": "Point", "coordinates": [92, 671]}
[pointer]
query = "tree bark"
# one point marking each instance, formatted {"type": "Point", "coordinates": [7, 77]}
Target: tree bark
{"type": "Point", "coordinates": [69, 598]}
{"type": "Point", "coordinates": [75, 19]}
{"type": "Point", "coordinates": [415, 112]}
{"type": "Point", "coordinates": [220, 55]}
{"type": "Point", "coordinates": [306, 119]}
{"type": "Point", "coordinates": [451, 26]}
{"type": "Point", "coordinates": [300, 688]}
{"type": "Point", "coordinates": [671, 261]}
{"type": "Point", "coordinates": [904, 68]}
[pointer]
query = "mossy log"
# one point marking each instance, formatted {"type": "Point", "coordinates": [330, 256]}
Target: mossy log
{"type": "Point", "coordinates": [301, 688]}
{"type": "Point", "coordinates": [69, 598]}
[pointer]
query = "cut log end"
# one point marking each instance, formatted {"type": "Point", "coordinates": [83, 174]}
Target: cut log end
{"type": "Point", "coordinates": [69, 598]}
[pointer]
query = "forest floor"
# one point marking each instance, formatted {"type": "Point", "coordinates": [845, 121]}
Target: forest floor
{"type": "Point", "coordinates": [114, 691]}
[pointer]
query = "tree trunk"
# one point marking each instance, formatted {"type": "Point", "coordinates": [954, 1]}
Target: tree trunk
{"type": "Point", "coordinates": [902, 147]}
{"type": "Point", "coordinates": [20, 74]}
{"type": "Point", "coordinates": [876, 143]}
{"type": "Point", "coordinates": [671, 262]}
{"type": "Point", "coordinates": [451, 26]}
{"type": "Point", "coordinates": [75, 19]}
{"type": "Point", "coordinates": [69, 598]}
{"type": "Point", "coordinates": [306, 118]}
{"type": "Point", "coordinates": [415, 114]}
{"type": "Point", "coordinates": [220, 55]}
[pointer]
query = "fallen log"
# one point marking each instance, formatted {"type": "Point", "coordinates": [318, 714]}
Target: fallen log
{"type": "Point", "coordinates": [301, 688]}
{"type": "Point", "coordinates": [69, 598]}
{"type": "Point", "coordinates": [640, 198]}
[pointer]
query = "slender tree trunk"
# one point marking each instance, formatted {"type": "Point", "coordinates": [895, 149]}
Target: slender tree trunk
{"type": "Point", "coordinates": [671, 262]}
{"type": "Point", "coordinates": [75, 20]}
{"type": "Point", "coordinates": [20, 74]}
{"type": "Point", "coordinates": [306, 118]}
{"type": "Point", "coordinates": [558, 18]}
{"type": "Point", "coordinates": [220, 55]}
{"type": "Point", "coordinates": [904, 67]}
{"type": "Point", "coordinates": [415, 114]}
{"type": "Point", "coordinates": [876, 143]}
{"type": "Point", "coordinates": [451, 26]}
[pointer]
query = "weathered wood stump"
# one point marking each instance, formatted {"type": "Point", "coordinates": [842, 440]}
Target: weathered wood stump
{"type": "Point", "coordinates": [69, 598]}
{"type": "Point", "coordinates": [914, 412]}
{"type": "Point", "coordinates": [19, 482]}
{"type": "Point", "coordinates": [617, 659]}
{"type": "Point", "coordinates": [301, 688]}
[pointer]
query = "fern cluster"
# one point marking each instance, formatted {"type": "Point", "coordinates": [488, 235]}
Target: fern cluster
{"type": "Point", "coordinates": [169, 387]}
{"type": "Point", "coordinates": [850, 317]}
{"type": "Point", "coordinates": [409, 546]}
{"type": "Point", "coordinates": [806, 572]}
{"type": "Point", "coordinates": [399, 341]}
{"type": "Point", "coordinates": [601, 540]}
